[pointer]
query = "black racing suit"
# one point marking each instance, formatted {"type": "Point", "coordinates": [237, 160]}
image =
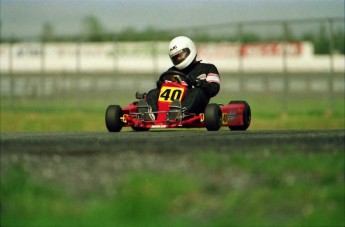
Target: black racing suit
{"type": "Point", "coordinates": [196, 98]}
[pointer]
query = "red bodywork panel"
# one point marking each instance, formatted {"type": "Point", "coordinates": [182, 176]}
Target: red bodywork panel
{"type": "Point", "coordinates": [232, 114]}
{"type": "Point", "coordinates": [168, 93]}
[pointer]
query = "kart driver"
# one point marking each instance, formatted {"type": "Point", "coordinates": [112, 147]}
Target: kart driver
{"type": "Point", "coordinates": [203, 79]}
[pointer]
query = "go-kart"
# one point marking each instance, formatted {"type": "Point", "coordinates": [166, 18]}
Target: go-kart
{"type": "Point", "coordinates": [236, 115]}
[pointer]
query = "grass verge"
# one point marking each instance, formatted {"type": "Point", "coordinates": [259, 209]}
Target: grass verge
{"type": "Point", "coordinates": [258, 187]}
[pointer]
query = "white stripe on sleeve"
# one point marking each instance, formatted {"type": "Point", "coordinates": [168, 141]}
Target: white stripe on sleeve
{"type": "Point", "coordinates": [212, 77]}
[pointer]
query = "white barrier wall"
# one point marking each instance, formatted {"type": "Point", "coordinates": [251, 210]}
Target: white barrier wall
{"type": "Point", "coordinates": [153, 57]}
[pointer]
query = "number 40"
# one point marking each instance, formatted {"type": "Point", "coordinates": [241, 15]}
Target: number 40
{"type": "Point", "coordinates": [168, 95]}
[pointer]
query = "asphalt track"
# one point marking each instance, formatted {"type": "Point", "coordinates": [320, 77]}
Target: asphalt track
{"type": "Point", "coordinates": [90, 162]}
{"type": "Point", "coordinates": [180, 140]}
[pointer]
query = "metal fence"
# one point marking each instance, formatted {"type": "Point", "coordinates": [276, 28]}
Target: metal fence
{"type": "Point", "coordinates": [285, 82]}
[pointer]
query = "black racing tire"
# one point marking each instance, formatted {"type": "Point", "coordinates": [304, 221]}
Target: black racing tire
{"type": "Point", "coordinates": [246, 117]}
{"type": "Point", "coordinates": [139, 129]}
{"type": "Point", "coordinates": [213, 117]}
{"type": "Point", "coordinates": [112, 118]}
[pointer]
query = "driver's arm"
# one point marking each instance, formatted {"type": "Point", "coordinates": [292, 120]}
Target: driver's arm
{"type": "Point", "coordinates": [211, 88]}
{"type": "Point", "coordinates": [211, 85]}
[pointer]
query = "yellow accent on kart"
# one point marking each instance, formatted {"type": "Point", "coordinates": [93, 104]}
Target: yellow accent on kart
{"type": "Point", "coordinates": [202, 117]}
{"type": "Point", "coordinates": [224, 118]}
{"type": "Point", "coordinates": [169, 94]}
{"type": "Point", "coordinates": [123, 118]}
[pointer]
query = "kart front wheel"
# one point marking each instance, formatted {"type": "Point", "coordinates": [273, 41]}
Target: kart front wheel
{"type": "Point", "coordinates": [213, 117]}
{"type": "Point", "coordinates": [112, 118]}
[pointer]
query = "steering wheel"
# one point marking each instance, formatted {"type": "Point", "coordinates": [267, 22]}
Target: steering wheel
{"type": "Point", "coordinates": [169, 75]}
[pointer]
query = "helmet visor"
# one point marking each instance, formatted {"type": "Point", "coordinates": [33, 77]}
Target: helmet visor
{"type": "Point", "coordinates": [180, 56]}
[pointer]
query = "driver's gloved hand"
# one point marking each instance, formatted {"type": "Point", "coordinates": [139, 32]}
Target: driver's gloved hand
{"type": "Point", "coordinates": [190, 81]}
{"type": "Point", "coordinates": [159, 84]}
{"type": "Point", "coordinates": [200, 83]}
{"type": "Point", "coordinates": [196, 82]}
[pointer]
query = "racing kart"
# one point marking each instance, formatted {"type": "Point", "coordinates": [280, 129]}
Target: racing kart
{"type": "Point", "coordinates": [236, 115]}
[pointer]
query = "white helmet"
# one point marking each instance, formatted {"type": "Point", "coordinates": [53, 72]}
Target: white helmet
{"type": "Point", "coordinates": [182, 52]}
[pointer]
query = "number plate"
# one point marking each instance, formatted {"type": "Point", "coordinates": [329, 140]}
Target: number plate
{"type": "Point", "coordinates": [169, 94]}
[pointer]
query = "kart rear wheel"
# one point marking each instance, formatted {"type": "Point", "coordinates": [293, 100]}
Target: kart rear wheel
{"type": "Point", "coordinates": [246, 116]}
{"type": "Point", "coordinates": [112, 118]}
{"type": "Point", "coordinates": [213, 117]}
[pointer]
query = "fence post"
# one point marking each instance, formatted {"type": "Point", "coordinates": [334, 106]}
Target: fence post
{"type": "Point", "coordinates": [10, 70]}
{"type": "Point", "coordinates": [78, 56]}
{"type": "Point", "coordinates": [43, 57]}
{"type": "Point", "coordinates": [115, 55]}
{"type": "Point", "coordinates": [285, 70]}
{"type": "Point", "coordinates": [78, 70]}
{"type": "Point", "coordinates": [42, 73]}
{"type": "Point", "coordinates": [240, 57]}
{"type": "Point", "coordinates": [331, 66]}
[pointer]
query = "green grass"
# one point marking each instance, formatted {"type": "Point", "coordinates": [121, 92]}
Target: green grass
{"type": "Point", "coordinates": [88, 115]}
{"type": "Point", "coordinates": [261, 187]}
{"type": "Point", "coordinates": [143, 199]}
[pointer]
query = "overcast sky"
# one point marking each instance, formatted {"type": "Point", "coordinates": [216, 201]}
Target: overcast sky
{"type": "Point", "coordinates": [25, 18]}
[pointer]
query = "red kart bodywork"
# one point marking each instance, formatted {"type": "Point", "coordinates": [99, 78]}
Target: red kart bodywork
{"type": "Point", "coordinates": [236, 115]}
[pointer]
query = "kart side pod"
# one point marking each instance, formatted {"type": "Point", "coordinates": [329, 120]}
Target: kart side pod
{"type": "Point", "coordinates": [236, 115]}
